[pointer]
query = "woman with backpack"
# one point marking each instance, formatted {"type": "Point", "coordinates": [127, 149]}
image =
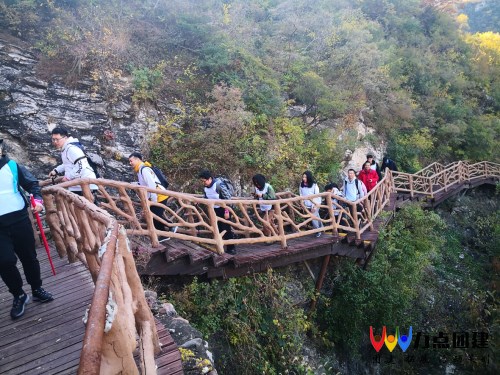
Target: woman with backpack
{"type": "Point", "coordinates": [307, 187]}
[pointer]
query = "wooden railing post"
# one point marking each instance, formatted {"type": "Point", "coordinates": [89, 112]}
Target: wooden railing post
{"type": "Point", "coordinates": [148, 216]}
{"type": "Point", "coordinates": [331, 212]}
{"type": "Point", "coordinates": [355, 220]}
{"type": "Point", "coordinates": [219, 243]}
{"type": "Point", "coordinates": [90, 358]}
{"type": "Point", "coordinates": [281, 227]}
{"type": "Point", "coordinates": [411, 185]}
{"type": "Point", "coordinates": [87, 193]}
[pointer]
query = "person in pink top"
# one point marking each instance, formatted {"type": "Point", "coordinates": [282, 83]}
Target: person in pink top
{"type": "Point", "coordinates": [368, 176]}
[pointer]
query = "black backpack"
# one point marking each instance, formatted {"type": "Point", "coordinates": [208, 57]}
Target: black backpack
{"type": "Point", "coordinates": [161, 177]}
{"type": "Point", "coordinates": [92, 163]}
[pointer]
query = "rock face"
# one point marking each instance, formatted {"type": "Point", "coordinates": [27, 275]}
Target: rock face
{"type": "Point", "coordinates": [30, 108]}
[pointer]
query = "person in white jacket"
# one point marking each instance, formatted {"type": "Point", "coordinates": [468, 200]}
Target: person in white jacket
{"type": "Point", "coordinates": [74, 162]}
{"type": "Point", "coordinates": [308, 186]}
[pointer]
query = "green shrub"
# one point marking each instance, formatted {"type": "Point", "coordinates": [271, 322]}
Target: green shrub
{"type": "Point", "coordinates": [252, 318]}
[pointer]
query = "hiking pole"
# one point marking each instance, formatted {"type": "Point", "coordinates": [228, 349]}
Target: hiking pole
{"type": "Point", "coordinates": [42, 233]}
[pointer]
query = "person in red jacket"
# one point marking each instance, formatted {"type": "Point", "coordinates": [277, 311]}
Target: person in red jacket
{"type": "Point", "coordinates": [368, 176]}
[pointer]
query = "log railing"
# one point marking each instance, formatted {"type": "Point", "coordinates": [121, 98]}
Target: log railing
{"type": "Point", "coordinates": [438, 178]}
{"type": "Point", "coordinates": [119, 312]}
{"type": "Point", "coordinates": [195, 218]}
{"type": "Point", "coordinates": [196, 221]}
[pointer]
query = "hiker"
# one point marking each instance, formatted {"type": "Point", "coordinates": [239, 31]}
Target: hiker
{"type": "Point", "coordinates": [213, 188]}
{"type": "Point", "coordinates": [388, 163]}
{"type": "Point", "coordinates": [373, 165]}
{"type": "Point", "coordinates": [148, 178]}
{"type": "Point", "coordinates": [368, 176]}
{"type": "Point", "coordinates": [308, 186]}
{"type": "Point", "coordinates": [17, 239]}
{"type": "Point", "coordinates": [74, 162]}
{"type": "Point", "coordinates": [353, 190]}
{"type": "Point", "coordinates": [333, 188]}
{"type": "Point", "coordinates": [264, 191]}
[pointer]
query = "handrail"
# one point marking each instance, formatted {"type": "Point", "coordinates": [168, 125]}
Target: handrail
{"type": "Point", "coordinates": [194, 215]}
{"type": "Point", "coordinates": [119, 311]}
{"type": "Point", "coordinates": [444, 179]}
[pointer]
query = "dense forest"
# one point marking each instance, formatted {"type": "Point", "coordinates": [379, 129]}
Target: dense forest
{"type": "Point", "coordinates": [226, 73]}
{"type": "Point", "coordinates": [277, 87]}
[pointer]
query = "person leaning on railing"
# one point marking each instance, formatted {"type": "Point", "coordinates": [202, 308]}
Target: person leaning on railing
{"type": "Point", "coordinates": [74, 162]}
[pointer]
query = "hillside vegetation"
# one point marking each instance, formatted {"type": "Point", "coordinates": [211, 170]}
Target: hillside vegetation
{"type": "Point", "coordinates": [223, 73]}
{"type": "Point", "coordinates": [277, 87]}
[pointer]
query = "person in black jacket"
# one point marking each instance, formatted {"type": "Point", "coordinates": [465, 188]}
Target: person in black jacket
{"type": "Point", "coordinates": [17, 239]}
{"type": "Point", "coordinates": [389, 163]}
{"type": "Point", "coordinates": [373, 165]}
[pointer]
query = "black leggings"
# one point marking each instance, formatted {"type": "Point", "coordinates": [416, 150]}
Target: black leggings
{"type": "Point", "coordinates": [18, 241]}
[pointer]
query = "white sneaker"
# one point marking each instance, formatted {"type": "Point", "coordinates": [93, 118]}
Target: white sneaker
{"type": "Point", "coordinates": [174, 229]}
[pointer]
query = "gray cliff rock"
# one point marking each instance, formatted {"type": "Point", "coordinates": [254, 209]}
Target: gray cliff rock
{"type": "Point", "coordinates": [31, 107]}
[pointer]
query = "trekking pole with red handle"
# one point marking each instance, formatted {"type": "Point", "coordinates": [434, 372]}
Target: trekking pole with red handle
{"type": "Point", "coordinates": [42, 233]}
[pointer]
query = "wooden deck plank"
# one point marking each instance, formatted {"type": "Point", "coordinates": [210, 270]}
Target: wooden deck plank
{"type": "Point", "coordinates": [48, 338]}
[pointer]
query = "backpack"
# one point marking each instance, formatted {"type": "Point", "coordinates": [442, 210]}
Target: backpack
{"type": "Point", "coordinates": [226, 187]}
{"type": "Point", "coordinates": [92, 163]}
{"type": "Point", "coordinates": [159, 174]}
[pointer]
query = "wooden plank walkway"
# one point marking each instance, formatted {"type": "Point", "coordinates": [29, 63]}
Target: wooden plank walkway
{"type": "Point", "coordinates": [48, 338]}
{"type": "Point", "coordinates": [177, 257]}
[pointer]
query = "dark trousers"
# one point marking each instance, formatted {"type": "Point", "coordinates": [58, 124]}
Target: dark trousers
{"type": "Point", "coordinates": [18, 241]}
{"type": "Point", "coordinates": [159, 211]}
{"type": "Point", "coordinates": [219, 211]}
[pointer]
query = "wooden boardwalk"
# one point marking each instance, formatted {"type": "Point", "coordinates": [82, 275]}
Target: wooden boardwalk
{"type": "Point", "coordinates": [176, 257]}
{"type": "Point", "coordinates": [48, 338]}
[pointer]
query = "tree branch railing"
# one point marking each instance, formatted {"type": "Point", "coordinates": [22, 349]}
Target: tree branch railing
{"type": "Point", "coordinates": [444, 178]}
{"type": "Point", "coordinates": [119, 311]}
{"type": "Point", "coordinates": [195, 218]}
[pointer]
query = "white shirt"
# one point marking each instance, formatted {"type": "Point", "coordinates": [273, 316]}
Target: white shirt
{"type": "Point", "coordinates": [81, 169]}
{"type": "Point", "coordinates": [305, 191]}
{"type": "Point", "coordinates": [264, 207]}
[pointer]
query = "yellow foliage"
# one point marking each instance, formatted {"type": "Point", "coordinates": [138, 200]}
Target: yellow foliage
{"type": "Point", "coordinates": [488, 44]}
{"type": "Point", "coordinates": [186, 354]}
{"type": "Point", "coordinates": [462, 19]}
{"type": "Point", "coordinates": [226, 19]}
